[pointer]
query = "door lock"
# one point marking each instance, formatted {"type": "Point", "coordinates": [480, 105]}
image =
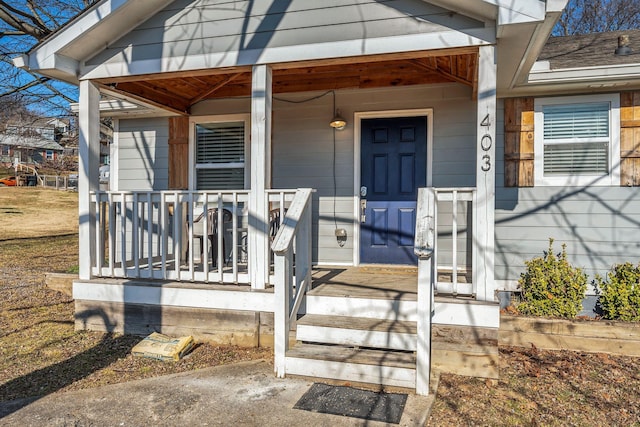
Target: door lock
{"type": "Point", "coordinates": [363, 210]}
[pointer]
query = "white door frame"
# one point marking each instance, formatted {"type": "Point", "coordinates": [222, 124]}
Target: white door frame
{"type": "Point", "coordinates": [386, 114]}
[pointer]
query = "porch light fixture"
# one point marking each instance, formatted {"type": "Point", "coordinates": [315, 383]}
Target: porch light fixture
{"type": "Point", "coordinates": [338, 122]}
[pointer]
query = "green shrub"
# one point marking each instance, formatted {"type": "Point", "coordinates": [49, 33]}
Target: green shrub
{"type": "Point", "coordinates": [551, 286]}
{"type": "Point", "coordinates": [619, 294]}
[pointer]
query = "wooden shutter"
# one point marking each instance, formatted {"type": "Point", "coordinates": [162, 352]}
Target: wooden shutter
{"type": "Point", "coordinates": [630, 138]}
{"type": "Point", "coordinates": [178, 153]}
{"type": "Point", "coordinates": [518, 146]}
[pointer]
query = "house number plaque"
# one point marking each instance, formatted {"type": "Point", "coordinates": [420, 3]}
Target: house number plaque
{"type": "Point", "coordinates": [486, 142]}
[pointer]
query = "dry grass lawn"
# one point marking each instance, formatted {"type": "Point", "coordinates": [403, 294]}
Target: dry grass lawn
{"type": "Point", "coordinates": [34, 212]}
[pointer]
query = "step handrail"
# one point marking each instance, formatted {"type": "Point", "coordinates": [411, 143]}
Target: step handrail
{"type": "Point", "coordinates": [290, 290]}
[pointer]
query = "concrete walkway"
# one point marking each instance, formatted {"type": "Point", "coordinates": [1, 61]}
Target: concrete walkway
{"type": "Point", "coordinates": [243, 394]}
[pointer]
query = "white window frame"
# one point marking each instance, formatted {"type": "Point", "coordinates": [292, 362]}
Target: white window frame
{"type": "Point", "coordinates": [613, 177]}
{"type": "Point", "coordinates": [227, 118]}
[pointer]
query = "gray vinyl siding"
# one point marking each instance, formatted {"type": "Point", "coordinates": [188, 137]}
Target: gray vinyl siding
{"type": "Point", "coordinates": [600, 225]}
{"type": "Point", "coordinates": [143, 154]}
{"type": "Point", "coordinates": [242, 29]}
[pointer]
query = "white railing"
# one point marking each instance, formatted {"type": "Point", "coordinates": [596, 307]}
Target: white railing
{"type": "Point", "coordinates": [166, 235]}
{"type": "Point", "coordinates": [292, 273]}
{"type": "Point", "coordinates": [454, 251]}
{"type": "Point", "coordinates": [445, 217]}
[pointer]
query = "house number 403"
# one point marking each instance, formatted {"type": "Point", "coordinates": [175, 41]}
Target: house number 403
{"type": "Point", "coordinates": [486, 142]}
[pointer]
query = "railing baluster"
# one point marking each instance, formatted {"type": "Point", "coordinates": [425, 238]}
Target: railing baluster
{"type": "Point", "coordinates": [234, 238]}
{"type": "Point", "coordinates": [190, 244]}
{"type": "Point", "coordinates": [454, 247]}
{"type": "Point", "coordinates": [149, 235]}
{"type": "Point", "coordinates": [135, 243]}
{"type": "Point", "coordinates": [163, 237]}
{"type": "Point", "coordinates": [112, 234]}
{"type": "Point", "coordinates": [99, 248]}
{"type": "Point", "coordinates": [204, 244]}
{"type": "Point", "coordinates": [220, 239]}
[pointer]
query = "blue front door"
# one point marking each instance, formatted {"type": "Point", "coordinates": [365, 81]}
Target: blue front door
{"type": "Point", "coordinates": [393, 167]}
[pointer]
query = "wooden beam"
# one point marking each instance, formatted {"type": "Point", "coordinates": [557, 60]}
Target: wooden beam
{"type": "Point", "coordinates": [378, 58]}
{"type": "Point", "coordinates": [137, 98]}
{"type": "Point", "coordinates": [215, 88]}
{"type": "Point", "coordinates": [175, 74]}
{"type": "Point", "coordinates": [160, 90]}
{"type": "Point", "coordinates": [455, 78]}
{"type": "Point", "coordinates": [476, 65]}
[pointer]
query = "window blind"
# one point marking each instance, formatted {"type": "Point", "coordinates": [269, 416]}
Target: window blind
{"type": "Point", "coordinates": [220, 156]}
{"type": "Point", "coordinates": [576, 158]}
{"type": "Point", "coordinates": [576, 139]}
{"type": "Point", "coordinates": [576, 121]}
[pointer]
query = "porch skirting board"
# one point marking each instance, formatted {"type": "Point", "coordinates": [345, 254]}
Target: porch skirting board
{"type": "Point", "coordinates": [225, 327]}
{"type": "Point", "coordinates": [175, 294]}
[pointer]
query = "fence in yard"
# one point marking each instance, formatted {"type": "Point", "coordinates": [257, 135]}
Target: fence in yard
{"type": "Point", "coordinates": [59, 182]}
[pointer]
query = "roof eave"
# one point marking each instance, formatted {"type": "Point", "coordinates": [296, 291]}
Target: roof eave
{"type": "Point", "coordinates": [60, 55]}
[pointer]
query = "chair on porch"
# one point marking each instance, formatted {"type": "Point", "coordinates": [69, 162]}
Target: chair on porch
{"type": "Point", "coordinates": [274, 223]}
{"type": "Point", "coordinates": [274, 226]}
{"type": "Point", "coordinates": [212, 231]}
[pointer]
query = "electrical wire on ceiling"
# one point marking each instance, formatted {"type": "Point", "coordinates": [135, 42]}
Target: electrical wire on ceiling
{"type": "Point", "coordinates": [333, 161]}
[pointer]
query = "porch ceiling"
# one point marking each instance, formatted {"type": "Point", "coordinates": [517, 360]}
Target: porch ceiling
{"type": "Point", "coordinates": [178, 92]}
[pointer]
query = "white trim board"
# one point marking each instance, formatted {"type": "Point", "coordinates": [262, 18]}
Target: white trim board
{"type": "Point", "coordinates": [305, 52]}
{"type": "Point", "coordinates": [176, 297]}
{"type": "Point", "coordinates": [357, 134]}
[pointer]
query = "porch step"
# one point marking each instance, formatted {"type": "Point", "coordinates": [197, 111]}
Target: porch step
{"type": "Point", "coordinates": [381, 367]}
{"type": "Point", "coordinates": [357, 331]}
{"type": "Point", "coordinates": [382, 308]}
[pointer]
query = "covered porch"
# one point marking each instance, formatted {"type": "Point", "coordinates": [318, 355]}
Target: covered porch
{"type": "Point", "coordinates": [242, 252]}
{"type": "Point", "coordinates": [228, 183]}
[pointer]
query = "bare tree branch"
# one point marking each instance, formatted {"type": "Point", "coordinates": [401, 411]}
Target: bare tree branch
{"type": "Point", "coordinates": [595, 16]}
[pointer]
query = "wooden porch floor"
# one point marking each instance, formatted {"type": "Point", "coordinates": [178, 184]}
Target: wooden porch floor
{"type": "Point", "coordinates": [386, 282]}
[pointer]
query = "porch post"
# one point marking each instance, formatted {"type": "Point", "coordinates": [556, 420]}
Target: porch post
{"type": "Point", "coordinates": [484, 242]}
{"type": "Point", "coordinates": [260, 175]}
{"type": "Point", "coordinates": [88, 170]}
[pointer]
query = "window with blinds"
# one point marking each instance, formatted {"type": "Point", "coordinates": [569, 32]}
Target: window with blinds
{"type": "Point", "coordinates": [220, 156]}
{"type": "Point", "coordinates": [576, 139]}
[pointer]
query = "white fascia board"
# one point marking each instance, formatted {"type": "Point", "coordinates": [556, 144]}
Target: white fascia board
{"type": "Point", "coordinates": [342, 49]}
{"type": "Point", "coordinates": [507, 15]}
{"type": "Point", "coordinates": [600, 74]}
{"type": "Point", "coordinates": [556, 6]}
{"type": "Point", "coordinates": [94, 29]}
{"type": "Point", "coordinates": [537, 41]}
{"type": "Point", "coordinates": [42, 57]}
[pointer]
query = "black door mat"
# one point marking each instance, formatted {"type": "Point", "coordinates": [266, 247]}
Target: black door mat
{"type": "Point", "coordinates": [352, 402]}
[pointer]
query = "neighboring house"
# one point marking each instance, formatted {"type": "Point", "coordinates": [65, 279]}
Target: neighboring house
{"type": "Point", "coordinates": [33, 140]}
{"type": "Point", "coordinates": [27, 149]}
{"type": "Point", "coordinates": [229, 107]}
{"type": "Point", "coordinates": [53, 129]}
